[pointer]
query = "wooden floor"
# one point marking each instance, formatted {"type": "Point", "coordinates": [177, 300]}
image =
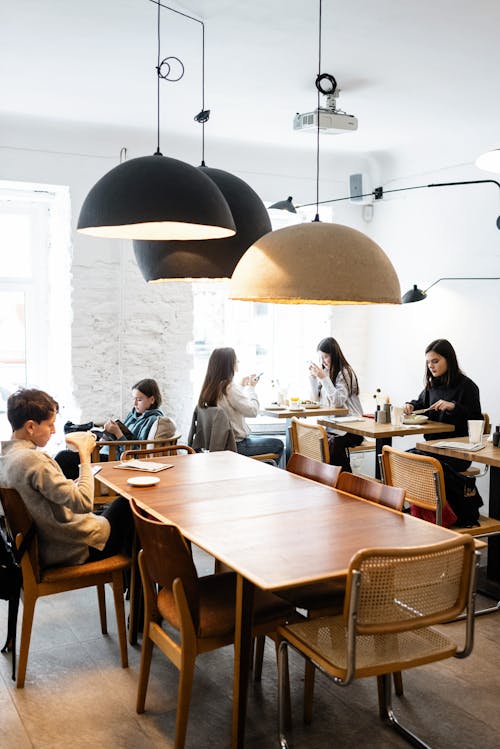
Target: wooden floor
{"type": "Point", "coordinates": [77, 695]}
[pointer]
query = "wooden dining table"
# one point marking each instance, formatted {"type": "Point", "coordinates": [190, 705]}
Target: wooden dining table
{"type": "Point", "coordinates": [383, 433]}
{"type": "Point", "coordinates": [275, 529]}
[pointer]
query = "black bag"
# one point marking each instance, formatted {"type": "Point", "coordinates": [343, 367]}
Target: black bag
{"type": "Point", "coordinates": [70, 427]}
{"type": "Point", "coordinates": [11, 581]}
{"type": "Point", "coordinates": [462, 496]}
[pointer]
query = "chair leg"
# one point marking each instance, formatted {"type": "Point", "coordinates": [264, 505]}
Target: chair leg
{"type": "Point", "coordinates": [309, 673]}
{"type": "Point", "coordinates": [387, 713]}
{"type": "Point", "coordinates": [259, 657]}
{"type": "Point", "coordinates": [186, 674]}
{"type": "Point", "coordinates": [101, 599]}
{"type": "Point", "coordinates": [398, 683]}
{"type": "Point", "coordinates": [283, 693]}
{"type": "Point", "coordinates": [28, 613]}
{"type": "Point", "coordinates": [146, 654]}
{"type": "Point", "coordinates": [118, 594]}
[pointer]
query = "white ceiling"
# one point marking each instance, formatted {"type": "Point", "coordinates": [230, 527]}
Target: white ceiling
{"type": "Point", "coordinates": [418, 75]}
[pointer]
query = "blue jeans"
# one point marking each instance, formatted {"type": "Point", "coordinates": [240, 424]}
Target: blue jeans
{"type": "Point", "coordinates": [253, 445]}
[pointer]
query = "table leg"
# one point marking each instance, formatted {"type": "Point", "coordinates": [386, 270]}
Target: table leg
{"type": "Point", "coordinates": [493, 568]}
{"type": "Point", "coordinates": [379, 443]}
{"type": "Point", "coordinates": [242, 654]}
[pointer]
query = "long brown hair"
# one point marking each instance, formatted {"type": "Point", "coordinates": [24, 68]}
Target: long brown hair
{"type": "Point", "coordinates": [220, 372]}
{"type": "Point", "coordinates": [339, 364]}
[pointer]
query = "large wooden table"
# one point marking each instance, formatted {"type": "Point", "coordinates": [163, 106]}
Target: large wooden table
{"type": "Point", "coordinates": [490, 456]}
{"type": "Point", "coordinates": [273, 528]}
{"type": "Point", "coordinates": [383, 433]}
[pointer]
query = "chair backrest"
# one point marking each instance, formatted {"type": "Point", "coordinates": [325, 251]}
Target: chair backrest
{"type": "Point", "coordinates": [375, 491]}
{"type": "Point", "coordinates": [167, 556]}
{"type": "Point", "coordinates": [401, 589]}
{"type": "Point", "coordinates": [487, 423]}
{"type": "Point", "coordinates": [19, 523]}
{"type": "Point", "coordinates": [210, 430]}
{"type": "Point", "coordinates": [420, 475]}
{"type": "Point", "coordinates": [310, 440]}
{"type": "Point", "coordinates": [157, 451]}
{"type": "Point", "coordinates": [313, 469]}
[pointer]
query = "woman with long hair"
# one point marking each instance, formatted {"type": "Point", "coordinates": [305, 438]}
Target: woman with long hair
{"type": "Point", "coordinates": [237, 400]}
{"type": "Point", "coordinates": [334, 383]}
{"type": "Point", "coordinates": [452, 398]}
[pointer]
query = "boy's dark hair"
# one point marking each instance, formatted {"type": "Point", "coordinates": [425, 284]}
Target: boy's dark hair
{"type": "Point", "coordinates": [30, 404]}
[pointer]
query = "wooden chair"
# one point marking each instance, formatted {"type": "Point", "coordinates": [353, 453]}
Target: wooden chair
{"type": "Point", "coordinates": [103, 494]}
{"type": "Point", "coordinates": [375, 491]}
{"type": "Point", "coordinates": [423, 479]}
{"type": "Point", "coordinates": [200, 610]}
{"type": "Point", "coordinates": [310, 440]}
{"type": "Point", "coordinates": [315, 470]}
{"type": "Point", "coordinates": [319, 597]}
{"type": "Point", "coordinates": [157, 452]}
{"type": "Point", "coordinates": [38, 582]}
{"type": "Point", "coordinates": [393, 600]}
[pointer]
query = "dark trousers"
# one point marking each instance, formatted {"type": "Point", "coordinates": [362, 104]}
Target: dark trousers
{"type": "Point", "coordinates": [339, 452]}
{"type": "Point", "coordinates": [119, 516]}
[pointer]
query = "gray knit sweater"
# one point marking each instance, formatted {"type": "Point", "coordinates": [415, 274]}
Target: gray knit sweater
{"type": "Point", "coordinates": [61, 508]}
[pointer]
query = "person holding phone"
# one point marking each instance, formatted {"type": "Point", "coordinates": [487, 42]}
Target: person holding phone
{"type": "Point", "coordinates": [334, 384]}
{"type": "Point", "coordinates": [145, 411]}
{"type": "Point", "coordinates": [237, 399]}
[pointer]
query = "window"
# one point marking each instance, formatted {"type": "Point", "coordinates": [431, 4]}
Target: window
{"type": "Point", "coordinates": [34, 283]}
{"type": "Point", "coordinates": [276, 339]}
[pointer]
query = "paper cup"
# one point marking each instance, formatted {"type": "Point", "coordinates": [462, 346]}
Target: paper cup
{"type": "Point", "coordinates": [396, 415]}
{"type": "Point", "coordinates": [476, 429]}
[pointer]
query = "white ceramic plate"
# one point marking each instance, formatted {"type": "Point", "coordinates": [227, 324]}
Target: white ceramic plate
{"type": "Point", "coordinates": [419, 419]}
{"type": "Point", "coordinates": [274, 408]}
{"type": "Point", "coordinates": [143, 480]}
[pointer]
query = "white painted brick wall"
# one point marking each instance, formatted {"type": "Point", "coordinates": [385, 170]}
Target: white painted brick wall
{"type": "Point", "coordinates": [125, 329]}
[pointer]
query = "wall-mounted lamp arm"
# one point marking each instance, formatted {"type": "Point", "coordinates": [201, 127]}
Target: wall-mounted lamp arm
{"type": "Point", "coordinates": [417, 295]}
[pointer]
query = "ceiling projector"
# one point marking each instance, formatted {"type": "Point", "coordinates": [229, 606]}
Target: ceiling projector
{"type": "Point", "coordinates": [330, 122]}
{"type": "Point", "coordinates": [329, 119]}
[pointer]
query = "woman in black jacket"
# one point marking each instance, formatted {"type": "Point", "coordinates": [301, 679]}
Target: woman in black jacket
{"type": "Point", "coordinates": [453, 398]}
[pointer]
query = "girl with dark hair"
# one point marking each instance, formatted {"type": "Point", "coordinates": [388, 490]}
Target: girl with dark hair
{"type": "Point", "coordinates": [334, 383]}
{"type": "Point", "coordinates": [146, 400]}
{"type": "Point", "coordinates": [236, 400]}
{"type": "Point", "coordinates": [449, 394]}
{"type": "Point", "coordinates": [452, 398]}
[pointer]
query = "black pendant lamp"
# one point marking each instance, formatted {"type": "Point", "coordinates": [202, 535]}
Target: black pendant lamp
{"type": "Point", "coordinates": [163, 261]}
{"type": "Point", "coordinates": [156, 197]}
{"type": "Point", "coordinates": [169, 261]}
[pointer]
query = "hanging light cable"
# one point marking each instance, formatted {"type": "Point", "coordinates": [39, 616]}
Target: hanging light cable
{"type": "Point", "coordinates": [188, 260]}
{"type": "Point", "coordinates": [156, 197]}
{"type": "Point", "coordinates": [316, 263]}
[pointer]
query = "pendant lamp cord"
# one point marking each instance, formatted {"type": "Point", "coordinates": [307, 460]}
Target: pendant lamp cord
{"type": "Point", "coordinates": [158, 42]}
{"type": "Point", "coordinates": [164, 68]}
{"type": "Point", "coordinates": [316, 218]}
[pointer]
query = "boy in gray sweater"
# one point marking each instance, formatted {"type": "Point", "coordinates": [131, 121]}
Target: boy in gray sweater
{"type": "Point", "coordinates": [68, 531]}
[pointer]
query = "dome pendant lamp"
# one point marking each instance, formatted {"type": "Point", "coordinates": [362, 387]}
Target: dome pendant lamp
{"type": "Point", "coordinates": [156, 197]}
{"type": "Point", "coordinates": [169, 261]}
{"type": "Point", "coordinates": [316, 263]}
{"type": "Point", "coordinates": [188, 260]}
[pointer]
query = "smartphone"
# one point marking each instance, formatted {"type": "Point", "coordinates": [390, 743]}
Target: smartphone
{"type": "Point", "coordinates": [125, 430]}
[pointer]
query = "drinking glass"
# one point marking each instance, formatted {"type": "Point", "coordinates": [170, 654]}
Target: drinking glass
{"type": "Point", "coordinates": [396, 415]}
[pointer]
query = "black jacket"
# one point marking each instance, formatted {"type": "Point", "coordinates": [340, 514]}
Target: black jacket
{"type": "Point", "coordinates": [464, 394]}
